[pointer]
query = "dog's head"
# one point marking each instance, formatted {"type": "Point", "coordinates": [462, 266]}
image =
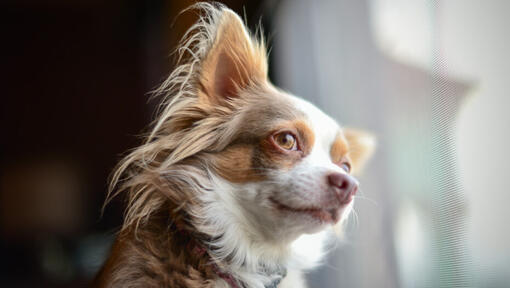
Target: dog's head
{"type": "Point", "coordinates": [285, 167]}
{"type": "Point", "coordinates": [234, 152]}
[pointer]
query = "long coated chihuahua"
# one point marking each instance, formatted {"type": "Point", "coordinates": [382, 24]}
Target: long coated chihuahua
{"type": "Point", "coordinates": [239, 183]}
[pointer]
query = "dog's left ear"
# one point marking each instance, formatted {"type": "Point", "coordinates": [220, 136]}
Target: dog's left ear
{"type": "Point", "coordinates": [361, 147]}
{"type": "Point", "coordinates": [234, 61]}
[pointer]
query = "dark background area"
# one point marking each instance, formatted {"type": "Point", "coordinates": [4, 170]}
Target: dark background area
{"type": "Point", "coordinates": [75, 82]}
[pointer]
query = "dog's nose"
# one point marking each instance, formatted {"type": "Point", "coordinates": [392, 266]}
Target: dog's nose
{"type": "Point", "coordinates": [344, 185]}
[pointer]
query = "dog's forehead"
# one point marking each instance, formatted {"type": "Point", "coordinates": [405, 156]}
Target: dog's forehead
{"type": "Point", "coordinates": [323, 126]}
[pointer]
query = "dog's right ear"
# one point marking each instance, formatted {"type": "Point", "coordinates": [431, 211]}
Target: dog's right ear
{"type": "Point", "coordinates": [234, 61]}
{"type": "Point", "coordinates": [361, 147]}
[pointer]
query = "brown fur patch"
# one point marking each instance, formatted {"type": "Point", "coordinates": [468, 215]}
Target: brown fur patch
{"type": "Point", "coordinates": [235, 164]}
{"type": "Point", "coordinates": [306, 136]}
{"type": "Point", "coordinates": [339, 149]}
{"type": "Point", "coordinates": [156, 257]}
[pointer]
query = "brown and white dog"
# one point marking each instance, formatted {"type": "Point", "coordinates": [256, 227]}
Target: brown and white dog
{"type": "Point", "coordinates": [239, 183]}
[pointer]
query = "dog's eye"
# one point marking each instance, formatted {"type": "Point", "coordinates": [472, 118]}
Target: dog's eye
{"type": "Point", "coordinates": [286, 140]}
{"type": "Point", "coordinates": [346, 166]}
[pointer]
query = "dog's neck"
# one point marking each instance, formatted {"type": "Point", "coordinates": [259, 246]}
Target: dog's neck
{"type": "Point", "coordinates": [198, 246]}
{"type": "Point", "coordinates": [252, 257]}
{"type": "Point", "coordinates": [235, 244]}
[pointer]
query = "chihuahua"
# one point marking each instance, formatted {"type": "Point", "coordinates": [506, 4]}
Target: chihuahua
{"type": "Point", "coordinates": [238, 183]}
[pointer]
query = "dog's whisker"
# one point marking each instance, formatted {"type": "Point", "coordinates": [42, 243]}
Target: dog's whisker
{"type": "Point", "coordinates": [369, 200]}
{"type": "Point", "coordinates": [355, 218]}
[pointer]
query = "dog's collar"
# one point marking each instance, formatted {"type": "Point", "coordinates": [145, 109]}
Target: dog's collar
{"type": "Point", "coordinates": [277, 275]}
{"type": "Point", "coordinates": [198, 248]}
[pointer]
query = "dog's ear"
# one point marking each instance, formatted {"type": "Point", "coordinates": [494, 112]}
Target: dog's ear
{"type": "Point", "coordinates": [234, 61]}
{"type": "Point", "coordinates": [361, 147]}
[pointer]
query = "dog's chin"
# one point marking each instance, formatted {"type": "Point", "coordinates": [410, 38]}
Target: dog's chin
{"type": "Point", "coordinates": [311, 218]}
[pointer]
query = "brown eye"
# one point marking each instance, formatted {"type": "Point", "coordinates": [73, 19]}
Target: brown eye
{"type": "Point", "coordinates": [286, 141]}
{"type": "Point", "coordinates": [346, 166]}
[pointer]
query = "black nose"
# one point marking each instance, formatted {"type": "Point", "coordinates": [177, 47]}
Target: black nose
{"type": "Point", "coordinates": [344, 185]}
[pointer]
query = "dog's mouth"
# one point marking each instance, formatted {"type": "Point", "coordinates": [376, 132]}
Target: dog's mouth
{"type": "Point", "coordinates": [324, 215]}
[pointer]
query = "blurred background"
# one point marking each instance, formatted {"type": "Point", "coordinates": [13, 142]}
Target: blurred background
{"type": "Point", "coordinates": [429, 78]}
